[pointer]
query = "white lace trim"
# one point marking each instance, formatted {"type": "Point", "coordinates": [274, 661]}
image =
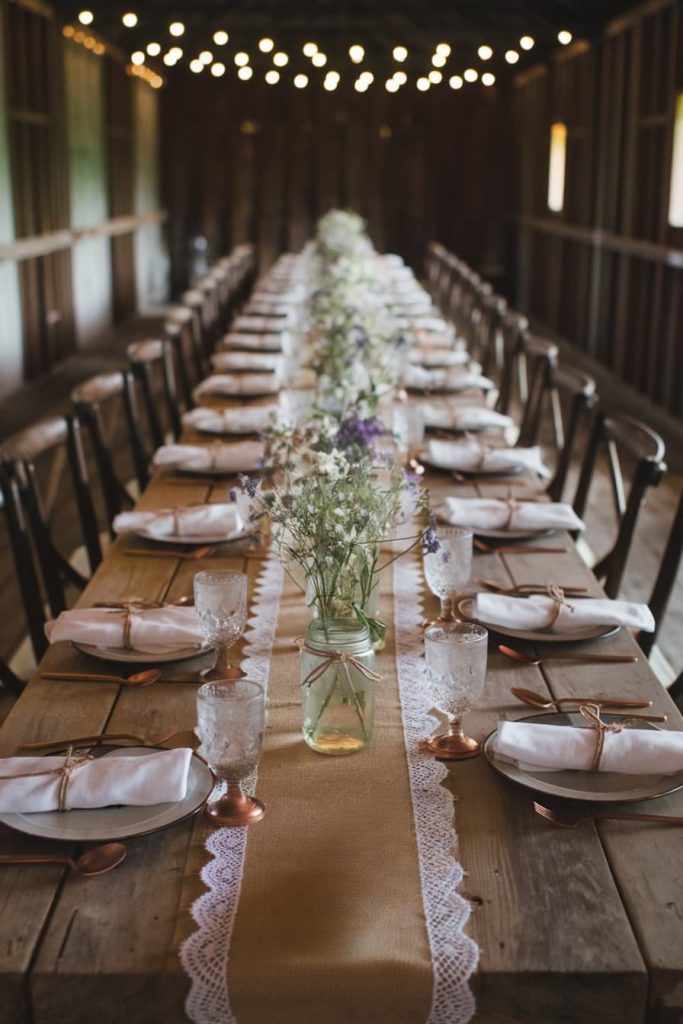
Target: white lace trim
{"type": "Point", "coordinates": [204, 955]}
{"type": "Point", "coordinates": [454, 954]}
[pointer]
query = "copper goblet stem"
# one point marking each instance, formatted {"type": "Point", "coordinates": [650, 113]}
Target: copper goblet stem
{"type": "Point", "coordinates": [222, 669]}
{"type": "Point", "coordinates": [233, 809]}
{"type": "Point", "coordinates": [453, 745]}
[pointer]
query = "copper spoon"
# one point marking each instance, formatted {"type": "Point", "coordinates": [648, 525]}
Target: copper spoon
{"type": "Point", "coordinates": [491, 549]}
{"type": "Point", "coordinates": [568, 820]}
{"type": "Point", "coordinates": [537, 700]}
{"type": "Point", "coordinates": [526, 588]}
{"type": "Point", "coordinates": [203, 552]}
{"type": "Point", "coordinates": [145, 678]}
{"type": "Point", "coordinates": [526, 659]}
{"type": "Point", "coordinates": [97, 861]}
{"type": "Point", "coordinates": [173, 738]}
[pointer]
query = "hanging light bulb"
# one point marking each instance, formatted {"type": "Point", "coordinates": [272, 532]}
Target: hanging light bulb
{"type": "Point", "coordinates": [391, 85]}
{"type": "Point", "coordinates": [280, 59]}
{"type": "Point", "coordinates": [245, 72]}
{"type": "Point", "coordinates": [137, 58]}
{"type": "Point", "coordinates": [488, 78]}
{"type": "Point", "coordinates": [399, 53]}
{"type": "Point", "coordinates": [153, 49]}
{"type": "Point", "coordinates": [332, 76]}
{"type": "Point", "coordinates": [471, 75]}
{"type": "Point", "coordinates": [86, 17]}
{"type": "Point", "coordinates": [360, 85]}
{"type": "Point", "coordinates": [308, 49]}
{"type": "Point", "coordinates": [319, 60]}
{"type": "Point", "coordinates": [176, 28]}
{"type": "Point", "coordinates": [175, 52]}
{"type": "Point", "coordinates": [206, 56]}
{"type": "Point", "coordinates": [435, 77]}
{"type": "Point", "coordinates": [423, 84]}
{"type": "Point", "coordinates": [455, 82]}
{"type": "Point", "coordinates": [241, 59]}
{"type": "Point", "coordinates": [438, 60]}
{"type": "Point", "coordinates": [485, 52]}
{"type": "Point", "coordinates": [356, 53]}
{"type": "Point", "coordinates": [266, 44]}
{"type": "Point", "coordinates": [220, 37]}
{"type": "Point", "coordinates": [272, 77]}
{"type": "Point", "coordinates": [400, 77]}
{"type": "Point", "coordinates": [511, 56]}
{"type": "Point", "coordinates": [565, 37]}
{"type": "Point", "coordinates": [366, 76]}
{"type": "Point", "coordinates": [218, 69]}
{"type": "Point", "coordinates": [443, 49]}
{"type": "Point", "coordinates": [129, 19]}
{"type": "Point", "coordinates": [300, 81]}
{"type": "Point", "coordinates": [527, 42]}
{"type": "Point", "coordinates": [196, 66]}
{"type": "Point", "coordinates": [330, 84]}
{"type": "Point", "coordinates": [169, 60]}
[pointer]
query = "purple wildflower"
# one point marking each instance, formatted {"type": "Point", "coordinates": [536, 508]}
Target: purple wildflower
{"type": "Point", "coordinates": [249, 483]}
{"type": "Point", "coordinates": [430, 541]}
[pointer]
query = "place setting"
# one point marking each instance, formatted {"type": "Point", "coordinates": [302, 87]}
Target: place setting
{"type": "Point", "coordinates": [227, 422]}
{"type": "Point", "coordinates": [214, 459]}
{"type": "Point", "coordinates": [472, 458]}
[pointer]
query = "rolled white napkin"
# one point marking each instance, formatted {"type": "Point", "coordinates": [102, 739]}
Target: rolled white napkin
{"type": "Point", "coordinates": [261, 324]}
{"type": "Point", "coordinates": [536, 613]}
{"type": "Point", "coordinates": [220, 520]}
{"type": "Point", "coordinates": [425, 355]}
{"type": "Point", "coordinates": [430, 324]}
{"type": "Point", "coordinates": [140, 781]}
{"type": "Point", "coordinates": [259, 308]}
{"type": "Point", "coordinates": [470, 457]}
{"type": "Point", "coordinates": [494, 514]}
{"type": "Point", "coordinates": [230, 421]}
{"type": "Point", "coordinates": [634, 751]}
{"type": "Point", "coordinates": [252, 342]}
{"type": "Point", "coordinates": [152, 630]}
{"type": "Point", "coordinates": [239, 457]}
{"type": "Point", "coordinates": [473, 417]}
{"type": "Point", "coordinates": [445, 379]}
{"type": "Point", "coordinates": [237, 384]}
{"type": "Point", "coordinates": [244, 361]}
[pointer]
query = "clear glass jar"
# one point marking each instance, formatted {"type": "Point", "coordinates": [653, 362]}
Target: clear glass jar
{"type": "Point", "coordinates": [338, 696]}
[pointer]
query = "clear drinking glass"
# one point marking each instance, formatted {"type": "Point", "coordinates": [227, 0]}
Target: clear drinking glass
{"type": "Point", "coordinates": [409, 428]}
{"type": "Point", "coordinates": [230, 723]}
{"type": "Point", "coordinates": [447, 570]}
{"type": "Point", "coordinates": [220, 602]}
{"type": "Point", "coordinates": [456, 654]}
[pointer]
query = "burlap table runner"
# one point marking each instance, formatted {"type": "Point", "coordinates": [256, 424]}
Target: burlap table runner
{"type": "Point", "coordinates": [330, 926]}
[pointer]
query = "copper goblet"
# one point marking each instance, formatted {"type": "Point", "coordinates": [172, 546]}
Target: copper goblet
{"type": "Point", "coordinates": [456, 654]}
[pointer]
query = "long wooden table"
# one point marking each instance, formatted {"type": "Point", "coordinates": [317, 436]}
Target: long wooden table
{"type": "Point", "coordinates": [574, 926]}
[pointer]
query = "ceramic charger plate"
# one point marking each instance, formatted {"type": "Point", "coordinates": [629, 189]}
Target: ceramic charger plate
{"type": "Point", "coordinates": [541, 636]}
{"type": "Point", "coordinates": [127, 656]}
{"type": "Point", "coordinates": [108, 823]}
{"type": "Point", "coordinates": [514, 470]}
{"type": "Point", "coordinates": [594, 787]}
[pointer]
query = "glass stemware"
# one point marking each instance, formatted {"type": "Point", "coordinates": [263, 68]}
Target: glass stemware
{"type": "Point", "coordinates": [447, 569]}
{"type": "Point", "coordinates": [220, 603]}
{"type": "Point", "coordinates": [409, 428]}
{"type": "Point", "coordinates": [456, 654]}
{"type": "Point", "coordinates": [230, 724]}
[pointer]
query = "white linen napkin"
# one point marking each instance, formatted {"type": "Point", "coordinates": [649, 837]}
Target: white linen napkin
{"type": "Point", "coordinates": [219, 520]}
{"type": "Point", "coordinates": [634, 751]}
{"type": "Point", "coordinates": [237, 384]}
{"type": "Point", "coordinates": [247, 420]}
{"type": "Point", "coordinates": [430, 324]}
{"type": "Point", "coordinates": [261, 324]}
{"type": "Point", "coordinates": [536, 612]}
{"type": "Point", "coordinates": [427, 356]}
{"type": "Point", "coordinates": [139, 781]}
{"type": "Point", "coordinates": [239, 457]}
{"type": "Point", "coordinates": [152, 630]}
{"type": "Point", "coordinates": [244, 361]}
{"type": "Point", "coordinates": [445, 379]}
{"type": "Point", "coordinates": [252, 342]}
{"type": "Point", "coordinates": [494, 514]}
{"type": "Point", "coordinates": [473, 417]}
{"type": "Point", "coordinates": [470, 457]}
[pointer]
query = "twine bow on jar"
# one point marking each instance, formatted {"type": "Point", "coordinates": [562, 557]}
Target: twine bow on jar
{"type": "Point", "coordinates": [328, 659]}
{"type": "Point", "coordinates": [591, 713]}
{"type": "Point", "coordinates": [63, 771]}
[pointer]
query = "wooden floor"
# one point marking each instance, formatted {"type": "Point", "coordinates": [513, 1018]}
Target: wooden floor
{"type": "Point", "coordinates": [52, 396]}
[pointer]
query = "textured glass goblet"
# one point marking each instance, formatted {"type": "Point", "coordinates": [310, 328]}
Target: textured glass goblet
{"type": "Point", "coordinates": [447, 570]}
{"type": "Point", "coordinates": [220, 603]}
{"type": "Point", "coordinates": [409, 429]}
{"type": "Point", "coordinates": [230, 724]}
{"type": "Point", "coordinates": [456, 655]}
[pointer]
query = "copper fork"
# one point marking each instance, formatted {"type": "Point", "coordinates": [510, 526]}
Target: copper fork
{"type": "Point", "coordinates": [569, 819]}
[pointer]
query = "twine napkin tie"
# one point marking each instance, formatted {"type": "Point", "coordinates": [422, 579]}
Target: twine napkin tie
{"type": "Point", "coordinates": [591, 713]}
{"type": "Point", "coordinates": [63, 771]}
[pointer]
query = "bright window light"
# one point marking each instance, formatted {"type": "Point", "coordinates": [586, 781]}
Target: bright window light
{"type": "Point", "coordinates": [676, 186]}
{"type": "Point", "coordinates": [558, 157]}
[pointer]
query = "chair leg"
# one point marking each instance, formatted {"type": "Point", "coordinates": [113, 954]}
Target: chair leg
{"type": "Point", "coordinates": [676, 691]}
{"type": "Point", "coordinates": [11, 682]}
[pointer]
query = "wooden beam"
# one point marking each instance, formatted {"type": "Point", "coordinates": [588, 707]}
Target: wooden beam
{"type": "Point", "coordinates": [623, 244]}
{"type": "Point", "coordinates": [42, 245]}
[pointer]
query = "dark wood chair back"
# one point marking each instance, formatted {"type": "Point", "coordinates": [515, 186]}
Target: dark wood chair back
{"type": "Point", "coordinates": [488, 345]}
{"type": "Point", "coordinates": [90, 400]}
{"type": "Point", "coordinates": [621, 437]}
{"type": "Point", "coordinates": [151, 363]}
{"type": "Point", "coordinates": [182, 330]}
{"type": "Point", "coordinates": [19, 455]}
{"type": "Point", "coordinates": [666, 578]}
{"type": "Point", "coordinates": [540, 357]}
{"type": "Point", "coordinates": [514, 330]}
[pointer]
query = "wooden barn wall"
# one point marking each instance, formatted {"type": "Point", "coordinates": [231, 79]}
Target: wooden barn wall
{"type": "Point", "coordinates": [252, 162]}
{"type": "Point", "coordinates": [151, 269]}
{"type": "Point", "coordinates": [607, 272]}
{"type": "Point", "coordinates": [11, 355]}
{"type": "Point", "coordinates": [88, 191]}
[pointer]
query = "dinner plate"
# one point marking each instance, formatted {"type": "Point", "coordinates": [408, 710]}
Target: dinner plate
{"type": "Point", "coordinates": [423, 456]}
{"type": "Point", "coordinates": [541, 636]}
{"type": "Point", "coordinates": [512, 534]}
{"type": "Point", "coordinates": [193, 538]}
{"type": "Point", "coordinates": [596, 787]}
{"type": "Point", "coordinates": [108, 823]}
{"type": "Point", "coordinates": [133, 657]}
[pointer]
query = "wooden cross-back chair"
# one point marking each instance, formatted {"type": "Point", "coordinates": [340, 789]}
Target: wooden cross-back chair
{"type": "Point", "coordinates": [59, 437]}
{"type": "Point", "coordinates": [18, 535]}
{"type": "Point", "coordinates": [618, 437]}
{"type": "Point", "coordinates": [182, 330]}
{"type": "Point", "coordinates": [514, 331]}
{"type": "Point", "coordinates": [114, 393]}
{"type": "Point", "coordinates": [200, 300]}
{"type": "Point", "coordinates": [488, 339]}
{"type": "Point", "coordinates": [433, 263]}
{"type": "Point", "coordinates": [148, 360]}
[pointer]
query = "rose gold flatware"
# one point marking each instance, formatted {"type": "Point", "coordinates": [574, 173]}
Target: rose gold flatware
{"type": "Point", "coordinates": [526, 659]}
{"type": "Point", "coordinates": [527, 588]}
{"type": "Point", "coordinates": [97, 861]}
{"type": "Point", "coordinates": [567, 819]}
{"type": "Point", "coordinates": [190, 556]}
{"type": "Point", "coordinates": [537, 700]}
{"type": "Point", "coordinates": [518, 549]}
{"type": "Point", "coordinates": [146, 678]}
{"type": "Point", "coordinates": [173, 738]}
